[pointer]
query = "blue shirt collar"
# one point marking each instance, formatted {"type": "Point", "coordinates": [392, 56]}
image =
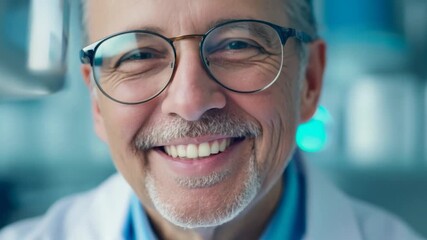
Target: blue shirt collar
{"type": "Point", "coordinates": [288, 220]}
{"type": "Point", "coordinates": [137, 225]}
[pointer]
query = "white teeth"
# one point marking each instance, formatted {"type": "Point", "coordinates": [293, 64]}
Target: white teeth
{"type": "Point", "coordinates": [173, 152]}
{"type": "Point", "coordinates": [222, 146]}
{"type": "Point", "coordinates": [192, 151]}
{"type": "Point", "coordinates": [204, 150]}
{"type": "Point", "coordinates": [198, 151]}
{"type": "Point", "coordinates": [215, 147]}
{"type": "Point", "coordinates": [181, 150]}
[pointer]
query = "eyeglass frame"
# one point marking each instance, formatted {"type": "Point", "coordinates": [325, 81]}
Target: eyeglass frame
{"type": "Point", "coordinates": [87, 54]}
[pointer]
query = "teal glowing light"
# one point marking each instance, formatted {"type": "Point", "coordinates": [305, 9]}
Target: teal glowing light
{"type": "Point", "coordinates": [312, 136]}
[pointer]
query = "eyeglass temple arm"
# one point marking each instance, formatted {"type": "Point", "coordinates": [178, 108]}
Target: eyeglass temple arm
{"type": "Point", "coordinates": [86, 56]}
{"type": "Point", "coordinates": [300, 35]}
{"type": "Point", "coordinates": [87, 53]}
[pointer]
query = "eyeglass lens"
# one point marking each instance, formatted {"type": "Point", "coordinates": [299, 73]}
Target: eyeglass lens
{"type": "Point", "coordinates": [243, 56]}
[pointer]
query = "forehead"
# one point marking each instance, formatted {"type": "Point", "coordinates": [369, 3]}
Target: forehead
{"type": "Point", "coordinates": [175, 17]}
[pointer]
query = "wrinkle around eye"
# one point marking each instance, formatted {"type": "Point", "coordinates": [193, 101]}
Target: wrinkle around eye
{"type": "Point", "coordinates": [243, 59]}
{"type": "Point", "coordinates": [140, 66]}
{"type": "Point", "coordinates": [266, 64]}
{"type": "Point", "coordinates": [133, 66]}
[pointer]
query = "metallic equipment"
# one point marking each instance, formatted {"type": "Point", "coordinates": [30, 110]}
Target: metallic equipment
{"type": "Point", "coordinates": [33, 43]}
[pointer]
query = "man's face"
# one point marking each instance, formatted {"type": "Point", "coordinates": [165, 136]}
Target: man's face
{"type": "Point", "coordinates": [254, 132]}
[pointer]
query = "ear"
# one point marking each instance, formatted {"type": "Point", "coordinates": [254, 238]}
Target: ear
{"type": "Point", "coordinates": [96, 112]}
{"type": "Point", "coordinates": [313, 81]}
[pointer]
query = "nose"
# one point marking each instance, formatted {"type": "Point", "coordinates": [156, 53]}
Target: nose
{"type": "Point", "coordinates": [191, 92]}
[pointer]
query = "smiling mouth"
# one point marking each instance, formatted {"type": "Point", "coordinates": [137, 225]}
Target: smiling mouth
{"type": "Point", "coordinates": [201, 150]}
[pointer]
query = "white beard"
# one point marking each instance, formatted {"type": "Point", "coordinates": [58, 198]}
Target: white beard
{"type": "Point", "coordinates": [229, 211]}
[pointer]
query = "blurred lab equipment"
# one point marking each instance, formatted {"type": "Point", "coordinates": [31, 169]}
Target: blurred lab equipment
{"type": "Point", "coordinates": [33, 43]}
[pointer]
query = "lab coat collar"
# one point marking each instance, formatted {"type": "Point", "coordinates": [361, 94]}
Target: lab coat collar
{"type": "Point", "coordinates": [110, 205]}
{"type": "Point", "coordinates": [329, 211]}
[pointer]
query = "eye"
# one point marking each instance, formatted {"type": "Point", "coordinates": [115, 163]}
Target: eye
{"type": "Point", "coordinates": [138, 61]}
{"type": "Point", "coordinates": [237, 45]}
{"type": "Point", "coordinates": [232, 46]}
{"type": "Point", "coordinates": [137, 55]}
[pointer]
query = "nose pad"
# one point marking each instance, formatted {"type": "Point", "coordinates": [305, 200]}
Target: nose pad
{"type": "Point", "coordinates": [191, 92]}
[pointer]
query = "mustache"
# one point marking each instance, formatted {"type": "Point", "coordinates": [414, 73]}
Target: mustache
{"type": "Point", "coordinates": [213, 122]}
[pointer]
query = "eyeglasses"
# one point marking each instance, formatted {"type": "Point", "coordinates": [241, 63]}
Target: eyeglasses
{"type": "Point", "coordinates": [243, 56]}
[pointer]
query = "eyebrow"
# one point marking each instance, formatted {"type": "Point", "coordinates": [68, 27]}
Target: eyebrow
{"type": "Point", "coordinates": [145, 28]}
{"type": "Point", "coordinates": [255, 30]}
{"type": "Point", "coordinates": [224, 20]}
{"type": "Point", "coordinates": [160, 30]}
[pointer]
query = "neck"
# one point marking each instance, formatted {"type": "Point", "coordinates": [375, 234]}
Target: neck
{"type": "Point", "coordinates": [248, 225]}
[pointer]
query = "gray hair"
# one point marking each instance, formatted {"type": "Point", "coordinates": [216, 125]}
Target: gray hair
{"type": "Point", "coordinates": [300, 13]}
{"type": "Point", "coordinates": [301, 16]}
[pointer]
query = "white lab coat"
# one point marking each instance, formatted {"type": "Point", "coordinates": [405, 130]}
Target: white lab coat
{"type": "Point", "coordinates": [101, 214]}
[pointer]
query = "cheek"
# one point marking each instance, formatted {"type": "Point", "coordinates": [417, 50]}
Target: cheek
{"type": "Point", "coordinates": [278, 140]}
{"type": "Point", "coordinates": [279, 128]}
{"type": "Point", "coordinates": [122, 123]}
{"type": "Point", "coordinates": [276, 110]}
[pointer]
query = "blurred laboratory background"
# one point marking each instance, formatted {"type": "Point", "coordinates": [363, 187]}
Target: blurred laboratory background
{"type": "Point", "coordinates": [369, 133]}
